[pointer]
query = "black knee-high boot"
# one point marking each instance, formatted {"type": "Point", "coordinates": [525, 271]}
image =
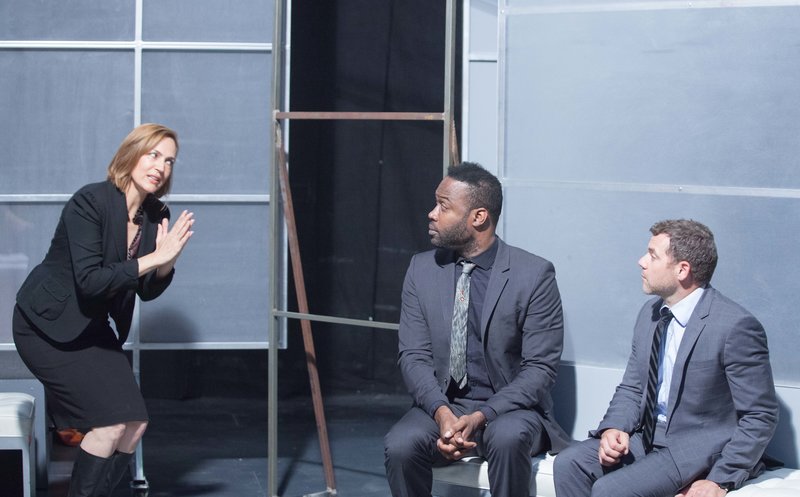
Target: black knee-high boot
{"type": "Point", "coordinates": [87, 473]}
{"type": "Point", "coordinates": [117, 466]}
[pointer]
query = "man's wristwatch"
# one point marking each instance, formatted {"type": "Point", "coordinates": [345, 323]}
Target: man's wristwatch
{"type": "Point", "coordinates": [726, 486]}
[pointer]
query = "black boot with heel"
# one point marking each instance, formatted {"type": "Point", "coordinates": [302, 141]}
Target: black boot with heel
{"type": "Point", "coordinates": [117, 466]}
{"type": "Point", "coordinates": [87, 474]}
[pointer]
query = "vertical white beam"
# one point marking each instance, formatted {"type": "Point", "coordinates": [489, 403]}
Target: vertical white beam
{"type": "Point", "coordinates": [449, 77]}
{"type": "Point", "coordinates": [137, 67]}
{"type": "Point", "coordinates": [466, 49]}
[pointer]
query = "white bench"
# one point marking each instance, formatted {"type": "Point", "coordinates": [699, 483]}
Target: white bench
{"type": "Point", "coordinates": [16, 433]}
{"type": "Point", "coordinates": [469, 478]}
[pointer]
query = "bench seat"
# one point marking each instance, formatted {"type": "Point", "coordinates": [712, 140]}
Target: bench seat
{"type": "Point", "coordinates": [469, 478]}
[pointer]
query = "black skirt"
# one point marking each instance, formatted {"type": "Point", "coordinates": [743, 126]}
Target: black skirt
{"type": "Point", "coordinates": [89, 381]}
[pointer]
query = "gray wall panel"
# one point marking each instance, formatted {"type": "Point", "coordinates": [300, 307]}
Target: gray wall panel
{"type": "Point", "coordinates": [63, 115]}
{"type": "Point", "coordinates": [705, 96]}
{"type": "Point", "coordinates": [221, 284]}
{"type": "Point", "coordinates": [221, 288]}
{"type": "Point", "coordinates": [606, 108]}
{"type": "Point", "coordinates": [221, 115]}
{"type": "Point", "coordinates": [208, 20]}
{"type": "Point", "coordinates": [595, 238]}
{"type": "Point", "coordinates": [67, 20]}
{"type": "Point", "coordinates": [65, 108]}
{"type": "Point", "coordinates": [25, 233]}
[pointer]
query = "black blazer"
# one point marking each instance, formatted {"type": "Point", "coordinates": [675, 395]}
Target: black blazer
{"type": "Point", "coordinates": [85, 275]}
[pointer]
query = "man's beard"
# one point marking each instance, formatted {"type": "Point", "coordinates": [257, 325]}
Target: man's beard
{"type": "Point", "coordinates": [456, 238]}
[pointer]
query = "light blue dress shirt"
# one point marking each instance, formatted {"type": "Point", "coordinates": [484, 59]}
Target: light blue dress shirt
{"type": "Point", "coordinates": [681, 313]}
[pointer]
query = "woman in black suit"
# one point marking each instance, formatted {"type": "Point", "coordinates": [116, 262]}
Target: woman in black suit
{"type": "Point", "coordinates": [112, 242]}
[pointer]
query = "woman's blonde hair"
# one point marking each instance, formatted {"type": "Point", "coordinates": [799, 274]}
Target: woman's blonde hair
{"type": "Point", "coordinates": [139, 142]}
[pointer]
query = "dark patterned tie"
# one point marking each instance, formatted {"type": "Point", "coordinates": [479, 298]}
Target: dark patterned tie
{"type": "Point", "coordinates": [649, 421]}
{"type": "Point", "coordinates": [458, 336]}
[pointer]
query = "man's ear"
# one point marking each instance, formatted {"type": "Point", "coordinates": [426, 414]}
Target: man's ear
{"type": "Point", "coordinates": [684, 270]}
{"type": "Point", "coordinates": [480, 218]}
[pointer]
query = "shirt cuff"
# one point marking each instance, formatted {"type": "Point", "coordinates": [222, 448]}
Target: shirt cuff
{"type": "Point", "coordinates": [489, 413]}
{"type": "Point", "coordinates": [436, 405]}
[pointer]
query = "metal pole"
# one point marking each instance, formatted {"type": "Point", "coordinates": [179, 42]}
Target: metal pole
{"type": "Point", "coordinates": [275, 251]}
{"type": "Point", "coordinates": [363, 116]}
{"type": "Point", "coordinates": [305, 324]}
{"type": "Point", "coordinates": [139, 481]}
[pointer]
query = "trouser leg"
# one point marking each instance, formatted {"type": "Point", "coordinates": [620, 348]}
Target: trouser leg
{"type": "Point", "coordinates": [410, 453]}
{"type": "Point", "coordinates": [576, 468]}
{"type": "Point", "coordinates": [508, 443]}
{"type": "Point", "coordinates": [651, 475]}
{"type": "Point", "coordinates": [578, 472]}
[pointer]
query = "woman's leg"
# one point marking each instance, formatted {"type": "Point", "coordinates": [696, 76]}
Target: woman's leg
{"type": "Point", "coordinates": [93, 460]}
{"type": "Point", "coordinates": [104, 456]}
{"type": "Point", "coordinates": [103, 441]}
{"type": "Point", "coordinates": [120, 460]}
{"type": "Point", "coordinates": [130, 439]}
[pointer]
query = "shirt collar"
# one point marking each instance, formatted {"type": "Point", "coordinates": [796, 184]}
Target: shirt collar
{"type": "Point", "coordinates": [683, 310]}
{"type": "Point", "coordinates": [485, 259]}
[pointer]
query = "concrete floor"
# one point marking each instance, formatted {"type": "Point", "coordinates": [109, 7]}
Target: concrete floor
{"type": "Point", "coordinates": [217, 447]}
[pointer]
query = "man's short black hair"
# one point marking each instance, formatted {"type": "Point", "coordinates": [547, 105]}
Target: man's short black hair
{"type": "Point", "coordinates": [484, 188]}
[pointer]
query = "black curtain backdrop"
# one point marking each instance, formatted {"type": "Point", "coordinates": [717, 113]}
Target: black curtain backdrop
{"type": "Point", "coordinates": [361, 189]}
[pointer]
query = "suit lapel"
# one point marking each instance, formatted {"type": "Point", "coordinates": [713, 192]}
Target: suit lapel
{"type": "Point", "coordinates": [446, 286]}
{"type": "Point", "coordinates": [497, 282]}
{"type": "Point", "coordinates": [149, 229]}
{"type": "Point", "coordinates": [694, 328]}
{"type": "Point", "coordinates": [119, 221]}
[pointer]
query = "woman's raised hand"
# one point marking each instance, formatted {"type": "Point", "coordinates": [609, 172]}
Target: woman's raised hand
{"type": "Point", "coordinates": [170, 242]}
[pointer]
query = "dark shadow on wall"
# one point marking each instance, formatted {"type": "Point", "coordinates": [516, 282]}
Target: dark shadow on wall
{"type": "Point", "coordinates": [784, 441]}
{"type": "Point", "coordinates": [564, 397]}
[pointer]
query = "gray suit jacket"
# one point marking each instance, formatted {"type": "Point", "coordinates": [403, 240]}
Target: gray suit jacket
{"type": "Point", "coordinates": [522, 326]}
{"type": "Point", "coordinates": [722, 407]}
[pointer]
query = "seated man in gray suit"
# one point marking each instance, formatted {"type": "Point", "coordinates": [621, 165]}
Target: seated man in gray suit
{"type": "Point", "coordinates": [696, 406]}
{"type": "Point", "coordinates": [481, 333]}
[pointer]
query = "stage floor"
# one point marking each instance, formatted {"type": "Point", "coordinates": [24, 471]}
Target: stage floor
{"type": "Point", "coordinates": [217, 447]}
